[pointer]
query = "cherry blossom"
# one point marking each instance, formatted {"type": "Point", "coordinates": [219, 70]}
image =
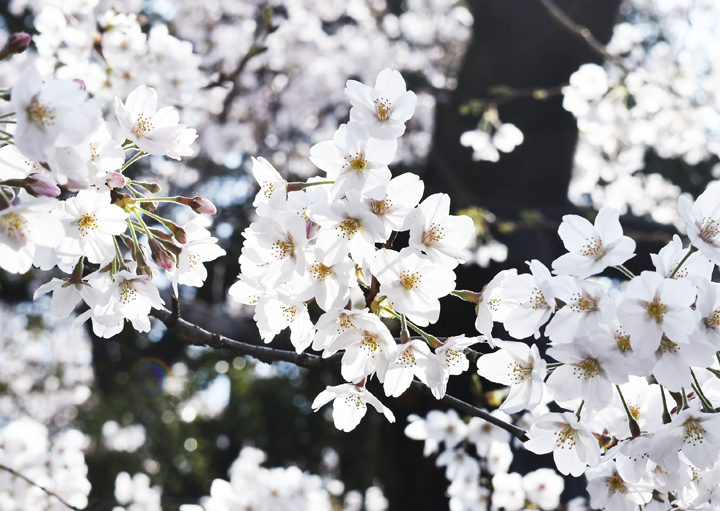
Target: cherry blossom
{"type": "Point", "coordinates": [701, 219]}
{"type": "Point", "coordinates": [384, 109]}
{"type": "Point", "coordinates": [349, 405]}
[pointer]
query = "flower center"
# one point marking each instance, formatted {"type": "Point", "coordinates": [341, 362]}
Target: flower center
{"type": "Point", "coordinates": [433, 235]}
{"type": "Point", "coordinates": [587, 369]}
{"type": "Point", "coordinates": [583, 304]}
{"type": "Point", "coordinates": [320, 271]}
{"type": "Point", "coordinates": [380, 207]}
{"type": "Point", "coordinates": [710, 232]}
{"type": "Point", "coordinates": [349, 228]}
{"type": "Point", "coordinates": [453, 357]}
{"type": "Point", "coordinates": [14, 226]}
{"type": "Point", "coordinates": [519, 373]}
{"type": "Point", "coordinates": [281, 249]}
{"type": "Point", "coordinates": [565, 436]}
{"type": "Point", "coordinates": [410, 280]}
{"type": "Point", "coordinates": [714, 320]}
{"type": "Point", "coordinates": [39, 114]}
{"type": "Point", "coordinates": [656, 309]}
{"type": "Point", "coordinates": [142, 126]}
{"type": "Point", "coordinates": [370, 344]}
{"type": "Point", "coordinates": [357, 163]}
{"type": "Point", "coordinates": [667, 346]}
{"type": "Point", "coordinates": [127, 292]}
{"type": "Point", "coordinates": [615, 484]}
{"type": "Point", "coordinates": [694, 432]}
{"type": "Point", "coordinates": [623, 341]}
{"type": "Point", "coordinates": [355, 399]}
{"type": "Point", "coordinates": [87, 223]}
{"type": "Point", "coordinates": [537, 300]}
{"type": "Point", "coordinates": [267, 188]}
{"type": "Point", "coordinates": [382, 107]}
{"type": "Point", "coordinates": [593, 248]}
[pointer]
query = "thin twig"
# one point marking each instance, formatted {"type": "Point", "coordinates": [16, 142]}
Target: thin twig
{"type": "Point", "coordinates": [24, 478]}
{"type": "Point", "coordinates": [197, 336]}
{"type": "Point", "coordinates": [583, 33]}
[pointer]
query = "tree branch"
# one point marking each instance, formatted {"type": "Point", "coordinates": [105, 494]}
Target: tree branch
{"type": "Point", "coordinates": [583, 33]}
{"type": "Point", "coordinates": [197, 336]}
{"type": "Point", "coordinates": [24, 478]}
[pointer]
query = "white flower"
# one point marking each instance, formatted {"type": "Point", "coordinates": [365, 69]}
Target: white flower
{"type": "Point", "coordinates": [654, 306]}
{"type": "Point", "coordinates": [412, 283]}
{"type": "Point", "coordinates": [273, 314]}
{"type": "Point", "coordinates": [589, 372]}
{"type": "Point", "coordinates": [572, 444]}
{"type": "Point", "coordinates": [401, 195]}
{"type": "Point", "coordinates": [23, 228]}
{"type": "Point", "coordinates": [346, 227]}
{"type": "Point", "coordinates": [534, 301]}
{"type": "Point", "coordinates": [519, 366]}
{"type": "Point", "coordinates": [50, 115]}
{"type": "Point", "coordinates": [587, 304]}
{"type": "Point", "coordinates": [703, 221]}
{"type": "Point", "coordinates": [274, 249]}
{"type": "Point", "coordinates": [592, 248]}
{"type": "Point", "coordinates": [153, 131]}
{"type": "Point", "coordinates": [491, 306]}
{"type": "Point", "coordinates": [543, 488]}
{"type": "Point", "coordinates": [273, 188]}
{"type": "Point", "coordinates": [369, 347]}
{"type": "Point", "coordinates": [328, 285]}
{"type": "Point", "coordinates": [507, 492]}
{"type": "Point", "coordinates": [352, 159]}
{"type": "Point", "coordinates": [66, 296]}
{"type": "Point", "coordinates": [437, 233]}
{"type": "Point", "coordinates": [349, 405]}
{"type": "Point", "coordinates": [413, 359]}
{"type": "Point", "coordinates": [199, 248]}
{"type": "Point", "coordinates": [90, 221]}
{"type": "Point", "coordinates": [697, 267]}
{"type": "Point", "coordinates": [452, 360]}
{"type": "Point", "coordinates": [382, 110]}
{"type": "Point", "coordinates": [609, 491]}
{"type": "Point", "coordinates": [336, 321]}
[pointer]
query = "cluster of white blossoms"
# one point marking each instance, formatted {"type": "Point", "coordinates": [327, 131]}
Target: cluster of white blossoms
{"type": "Point", "coordinates": [318, 241]}
{"type": "Point", "coordinates": [482, 480]}
{"type": "Point", "coordinates": [55, 138]}
{"type": "Point", "coordinates": [491, 136]}
{"type": "Point", "coordinates": [636, 368]}
{"type": "Point", "coordinates": [661, 100]}
{"type": "Point", "coordinates": [252, 486]}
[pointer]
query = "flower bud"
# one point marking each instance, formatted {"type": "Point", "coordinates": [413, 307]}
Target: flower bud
{"type": "Point", "coordinates": [162, 257]}
{"type": "Point", "coordinates": [116, 180]}
{"type": "Point", "coordinates": [199, 205]}
{"type": "Point", "coordinates": [39, 185]}
{"type": "Point", "coordinates": [122, 200]}
{"type": "Point", "coordinates": [150, 187]}
{"type": "Point", "coordinates": [17, 43]}
{"type": "Point", "coordinates": [149, 206]}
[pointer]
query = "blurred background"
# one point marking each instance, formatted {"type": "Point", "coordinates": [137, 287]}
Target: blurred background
{"type": "Point", "coordinates": [260, 78]}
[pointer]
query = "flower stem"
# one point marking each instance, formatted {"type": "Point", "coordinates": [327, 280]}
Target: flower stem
{"type": "Point", "coordinates": [625, 271]}
{"type": "Point", "coordinates": [703, 399]}
{"type": "Point", "coordinates": [133, 160]}
{"type": "Point", "coordinates": [692, 250]}
{"type": "Point", "coordinates": [582, 403]}
{"type": "Point", "coordinates": [6, 115]}
{"type": "Point", "coordinates": [634, 427]}
{"type": "Point", "coordinates": [666, 415]}
{"type": "Point", "coordinates": [432, 340]}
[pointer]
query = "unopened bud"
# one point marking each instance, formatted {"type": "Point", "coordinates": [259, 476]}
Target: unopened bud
{"type": "Point", "coordinates": [122, 200]}
{"type": "Point", "coordinates": [38, 185]}
{"type": "Point", "coordinates": [17, 43]}
{"type": "Point", "coordinates": [116, 180]}
{"type": "Point", "coordinates": [199, 205]}
{"type": "Point", "coordinates": [162, 257]}
{"type": "Point", "coordinates": [150, 187]}
{"type": "Point", "coordinates": [81, 83]}
{"type": "Point", "coordinates": [149, 206]}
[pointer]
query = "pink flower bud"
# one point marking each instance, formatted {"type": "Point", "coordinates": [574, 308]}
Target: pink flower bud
{"type": "Point", "coordinates": [161, 256]}
{"type": "Point", "coordinates": [116, 180]}
{"type": "Point", "coordinates": [199, 205]}
{"type": "Point", "coordinates": [17, 43]}
{"type": "Point", "coordinates": [39, 185]}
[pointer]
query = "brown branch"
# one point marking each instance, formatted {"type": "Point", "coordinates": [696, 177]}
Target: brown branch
{"type": "Point", "coordinates": [196, 336]}
{"type": "Point", "coordinates": [24, 478]}
{"type": "Point", "coordinates": [583, 33]}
